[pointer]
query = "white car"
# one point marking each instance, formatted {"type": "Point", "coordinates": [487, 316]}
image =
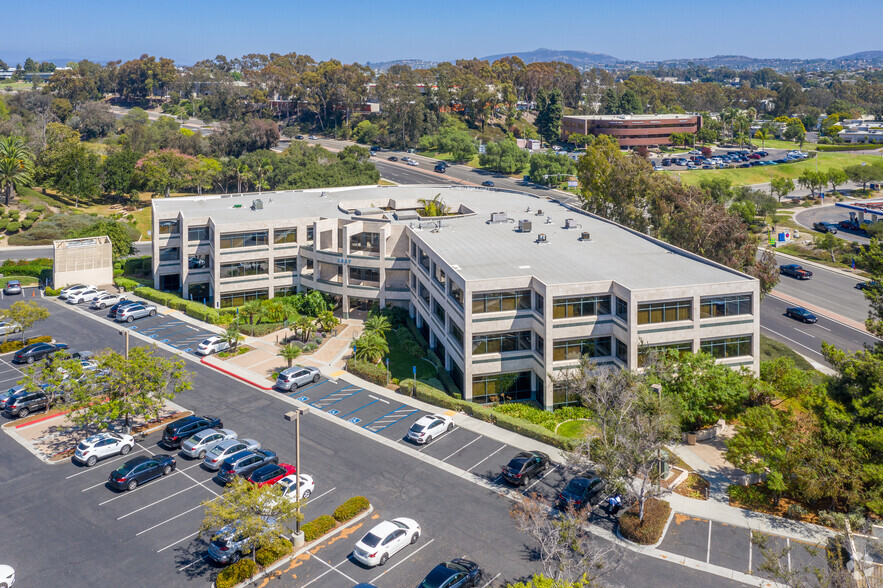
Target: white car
{"type": "Point", "coordinates": [87, 295]}
{"type": "Point", "coordinates": [65, 292]}
{"type": "Point", "coordinates": [102, 445]}
{"type": "Point", "coordinates": [7, 576]}
{"type": "Point", "coordinates": [199, 445]}
{"type": "Point", "coordinates": [289, 484]}
{"type": "Point", "coordinates": [429, 427]}
{"type": "Point", "coordinates": [106, 299]}
{"type": "Point", "coordinates": [217, 454]}
{"type": "Point", "coordinates": [213, 344]}
{"type": "Point", "coordinates": [413, 162]}
{"type": "Point", "coordinates": [312, 137]}
{"type": "Point", "coordinates": [385, 540]}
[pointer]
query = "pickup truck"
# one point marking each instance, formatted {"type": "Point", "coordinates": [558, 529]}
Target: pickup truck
{"type": "Point", "coordinates": [795, 271]}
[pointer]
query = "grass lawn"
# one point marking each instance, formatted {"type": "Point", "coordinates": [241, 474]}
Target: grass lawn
{"type": "Point", "coordinates": [383, 182]}
{"type": "Point", "coordinates": [25, 280]}
{"type": "Point", "coordinates": [574, 429]}
{"type": "Point", "coordinates": [771, 349]}
{"type": "Point", "coordinates": [401, 363]}
{"type": "Point", "coordinates": [823, 257]}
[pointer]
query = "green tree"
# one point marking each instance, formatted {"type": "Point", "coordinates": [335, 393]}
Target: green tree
{"type": "Point", "coordinates": [826, 242]}
{"type": "Point", "coordinates": [550, 110]}
{"type": "Point", "coordinates": [166, 170]}
{"type": "Point", "coordinates": [434, 207]}
{"type": "Point", "coordinates": [549, 169]}
{"type": "Point", "coordinates": [377, 324]}
{"type": "Point", "coordinates": [812, 180]}
{"type": "Point", "coordinates": [60, 377]}
{"type": "Point", "coordinates": [289, 353]}
{"type": "Point", "coordinates": [120, 239]}
{"type": "Point", "coordinates": [366, 132]}
{"type": "Point", "coordinates": [795, 131]}
{"type": "Point", "coordinates": [718, 189]}
{"type": "Point", "coordinates": [26, 313]}
{"type": "Point", "coordinates": [232, 336]}
{"type": "Point", "coordinates": [580, 139]}
{"type": "Point", "coordinates": [305, 323]}
{"type": "Point", "coordinates": [782, 187]}
{"type": "Point", "coordinates": [251, 309]}
{"type": "Point", "coordinates": [541, 581]}
{"type": "Point", "coordinates": [504, 156]}
{"type": "Point", "coordinates": [371, 347]}
{"type": "Point", "coordinates": [863, 174]}
{"type": "Point", "coordinates": [119, 172]}
{"type": "Point", "coordinates": [707, 135]}
{"type": "Point", "coordinates": [16, 166]}
{"type": "Point", "coordinates": [836, 177]}
{"type": "Point", "coordinates": [76, 174]}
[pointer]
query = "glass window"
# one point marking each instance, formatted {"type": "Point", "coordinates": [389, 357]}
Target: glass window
{"type": "Point", "coordinates": [169, 253]}
{"type": "Point", "coordinates": [423, 259]}
{"type": "Point", "coordinates": [457, 333]}
{"type": "Point", "coordinates": [439, 275]}
{"type": "Point", "coordinates": [501, 387]}
{"type": "Point", "coordinates": [237, 269]}
{"type": "Point", "coordinates": [285, 235]}
{"type": "Point", "coordinates": [501, 301]}
{"type": "Point", "coordinates": [439, 311]}
{"type": "Point", "coordinates": [665, 312]}
{"type": "Point", "coordinates": [645, 351]}
{"type": "Point", "coordinates": [283, 265]}
{"type": "Point", "coordinates": [229, 299]}
{"type": "Point", "coordinates": [622, 352]}
{"type": "Point", "coordinates": [311, 233]}
{"type": "Point", "coordinates": [198, 261]}
{"type": "Point", "coordinates": [581, 306]}
{"type": "Point", "coordinates": [364, 274]}
{"type": "Point", "coordinates": [540, 345]}
{"type": "Point", "coordinates": [727, 346]}
{"type": "Point", "coordinates": [564, 395]}
{"type": "Point", "coordinates": [169, 227]}
{"type": "Point", "coordinates": [539, 303]}
{"type": "Point", "coordinates": [424, 294]}
{"type": "Point", "coordinates": [622, 309]}
{"type": "Point", "coordinates": [198, 233]}
{"type": "Point", "coordinates": [576, 348]}
{"type": "Point", "coordinates": [367, 242]}
{"type": "Point", "coordinates": [717, 306]}
{"type": "Point", "coordinates": [280, 291]}
{"type": "Point", "coordinates": [251, 239]}
{"type": "Point", "coordinates": [501, 342]}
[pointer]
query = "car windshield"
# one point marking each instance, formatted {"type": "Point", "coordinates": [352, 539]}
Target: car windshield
{"type": "Point", "coordinates": [371, 540]}
{"type": "Point", "coordinates": [217, 450]}
{"type": "Point", "coordinates": [124, 469]}
{"type": "Point", "coordinates": [517, 463]}
{"type": "Point", "coordinates": [417, 428]}
{"type": "Point", "coordinates": [437, 577]}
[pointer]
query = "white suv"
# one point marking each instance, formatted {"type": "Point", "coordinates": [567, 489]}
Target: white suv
{"type": "Point", "coordinates": [102, 445]}
{"type": "Point", "coordinates": [213, 344]}
{"type": "Point", "coordinates": [65, 292]}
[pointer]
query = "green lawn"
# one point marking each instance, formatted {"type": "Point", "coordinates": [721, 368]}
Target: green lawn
{"type": "Point", "coordinates": [25, 280]}
{"type": "Point", "coordinates": [771, 349]}
{"type": "Point", "coordinates": [574, 429]}
{"type": "Point", "coordinates": [401, 363]}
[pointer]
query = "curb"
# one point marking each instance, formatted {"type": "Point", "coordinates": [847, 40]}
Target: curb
{"type": "Point", "coordinates": [234, 375]}
{"type": "Point", "coordinates": [856, 277]}
{"type": "Point", "coordinates": [40, 420]}
{"type": "Point", "coordinates": [304, 549]}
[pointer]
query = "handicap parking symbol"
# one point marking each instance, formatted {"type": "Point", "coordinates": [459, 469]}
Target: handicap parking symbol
{"type": "Point", "coordinates": [134, 328]}
{"type": "Point", "coordinates": [304, 398]}
{"type": "Point", "coordinates": [355, 421]}
{"type": "Point", "coordinates": [154, 336]}
{"type": "Point", "coordinates": [188, 350]}
{"type": "Point", "coordinates": [333, 411]}
{"type": "Point", "coordinates": [163, 340]}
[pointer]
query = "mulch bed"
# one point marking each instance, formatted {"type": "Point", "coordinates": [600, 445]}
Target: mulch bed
{"type": "Point", "coordinates": [695, 486]}
{"type": "Point", "coordinates": [648, 531]}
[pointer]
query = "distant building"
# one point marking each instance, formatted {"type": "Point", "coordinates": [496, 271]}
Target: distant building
{"type": "Point", "coordinates": [861, 131]}
{"type": "Point", "coordinates": [632, 130]}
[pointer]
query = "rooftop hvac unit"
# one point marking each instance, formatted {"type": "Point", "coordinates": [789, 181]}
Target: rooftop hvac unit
{"type": "Point", "coordinates": [541, 238]}
{"type": "Point", "coordinates": [585, 236]}
{"type": "Point", "coordinates": [524, 226]}
{"type": "Point", "coordinates": [539, 212]}
{"type": "Point", "coordinates": [499, 217]}
{"type": "Point", "coordinates": [569, 224]}
{"type": "Point", "coordinates": [257, 204]}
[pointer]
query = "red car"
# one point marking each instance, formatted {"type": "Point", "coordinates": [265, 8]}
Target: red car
{"type": "Point", "coordinates": [271, 473]}
{"type": "Point", "coordinates": [754, 156]}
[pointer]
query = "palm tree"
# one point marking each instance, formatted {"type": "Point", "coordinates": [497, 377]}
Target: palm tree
{"type": "Point", "coordinates": [273, 311]}
{"type": "Point", "coordinates": [16, 165]}
{"type": "Point", "coordinates": [378, 324]}
{"type": "Point", "coordinates": [232, 336]}
{"type": "Point", "coordinates": [250, 309]}
{"type": "Point", "coordinates": [242, 173]}
{"type": "Point", "coordinates": [263, 166]}
{"type": "Point", "coordinates": [327, 320]}
{"type": "Point", "coordinates": [306, 325]}
{"type": "Point", "coordinates": [371, 347]}
{"type": "Point", "coordinates": [434, 207]}
{"type": "Point", "coordinates": [289, 353]}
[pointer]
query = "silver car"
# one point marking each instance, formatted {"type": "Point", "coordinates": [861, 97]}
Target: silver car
{"type": "Point", "coordinates": [228, 545]}
{"type": "Point", "coordinates": [9, 327]}
{"type": "Point", "coordinates": [198, 445]}
{"type": "Point", "coordinates": [297, 376]}
{"type": "Point", "coordinates": [107, 299]}
{"type": "Point", "coordinates": [217, 454]}
{"type": "Point", "coordinates": [136, 311]}
{"type": "Point", "coordinates": [65, 292]}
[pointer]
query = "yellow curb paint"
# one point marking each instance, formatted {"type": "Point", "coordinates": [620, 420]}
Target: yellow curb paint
{"type": "Point", "coordinates": [450, 413]}
{"type": "Point", "coordinates": [338, 373]}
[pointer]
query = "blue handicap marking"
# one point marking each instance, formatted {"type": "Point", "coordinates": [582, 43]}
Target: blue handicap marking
{"type": "Point", "coordinates": [333, 411]}
{"type": "Point", "coordinates": [154, 336]}
{"type": "Point", "coordinates": [354, 420]}
{"type": "Point", "coordinates": [134, 328]}
{"type": "Point", "coordinates": [163, 340]}
{"type": "Point", "coordinates": [304, 398]}
{"type": "Point", "coordinates": [188, 350]}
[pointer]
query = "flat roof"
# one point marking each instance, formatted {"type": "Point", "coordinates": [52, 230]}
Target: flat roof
{"type": "Point", "coordinates": [627, 117]}
{"type": "Point", "coordinates": [870, 207]}
{"type": "Point", "coordinates": [476, 248]}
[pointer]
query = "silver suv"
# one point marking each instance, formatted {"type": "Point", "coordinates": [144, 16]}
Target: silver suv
{"type": "Point", "coordinates": [228, 544]}
{"type": "Point", "coordinates": [297, 376]}
{"type": "Point", "coordinates": [136, 311]}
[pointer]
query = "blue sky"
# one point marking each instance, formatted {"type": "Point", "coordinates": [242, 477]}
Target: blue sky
{"type": "Point", "coordinates": [379, 30]}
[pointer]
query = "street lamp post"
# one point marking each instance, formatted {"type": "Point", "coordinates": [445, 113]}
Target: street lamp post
{"type": "Point", "coordinates": [298, 537]}
{"type": "Point", "coordinates": [125, 333]}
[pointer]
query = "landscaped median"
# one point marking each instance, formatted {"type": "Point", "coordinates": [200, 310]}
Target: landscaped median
{"type": "Point", "coordinates": [269, 558]}
{"type": "Point", "coordinates": [649, 531]}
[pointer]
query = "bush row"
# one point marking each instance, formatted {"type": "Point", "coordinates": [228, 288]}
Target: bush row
{"type": "Point", "coordinates": [343, 513]}
{"type": "Point", "coordinates": [408, 342]}
{"type": "Point", "coordinates": [190, 308]}
{"type": "Point", "coordinates": [8, 346]}
{"type": "Point", "coordinates": [239, 572]}
{"type": "Point", "coordinates": [260, 329]}
{"type": "Point", "coordinates": [850, 147]}
{"type": "Point", "coordinates": [375, 374]}
{"type": "Point", "coordinates": [272, 553]}
{"type": "Point", "coordinates": [351, 509]}
{"type": "Point", "coordinates": [318, 527]}
{"type": "Point", "coordinates": [485, 413]}
{"type": "Point", "coordinates": [52, 291]}
{"type": "Point", "coordinates": [30, 270]}
{"type": "Point", "coordinates": [648, 531]}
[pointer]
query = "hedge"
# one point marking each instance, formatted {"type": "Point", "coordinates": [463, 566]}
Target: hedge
{"type": "Point", "coordinates": [351, 509]}
{"type": "Point", "coordinates": [13, 227]}
{"type": "Point", "coordinates": [649, 531]}
{"type": "Point", "coordinates": [851, 147]}
{"type": "Point", "coordinates": [190, 308]}
{"type": "Point", "coordinates": [260, 329]}
{"type": "Point", "coordinates": [33, 271]}
{"type": "Point", "coordinates": [272, 553]}
{"type": "Point", "coordinates": [27, 224]}
{"type": "Point", "coordinates": [318, 527]}
{"type": "Point", "coordinates": [239, 572]}
{"type": "Point", "coordinates": [367, 371]}
{"type": "Point", "coordinates": [9, 346]}
{"type": "Point", "coordinates": [52, 291]}
{"type": "Point", "coordinates": [126, 283]}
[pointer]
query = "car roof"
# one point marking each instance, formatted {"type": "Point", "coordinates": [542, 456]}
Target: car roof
{"type": "Point", "coordinates": [291, 478]}
{"type": "Point", "coordinates": [212, 339]}
{"type": "Point", "coordinates": [137, 460]}
{"type": "Point", "coordinates": [101, 436]}
{"type": "Point", "coordinates": [384, 528]}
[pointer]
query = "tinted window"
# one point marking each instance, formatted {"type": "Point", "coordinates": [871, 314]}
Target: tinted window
{"type": "Point", "coordinates": [371, 540]}
{"type": "Point", "coordinates": [517, 463]}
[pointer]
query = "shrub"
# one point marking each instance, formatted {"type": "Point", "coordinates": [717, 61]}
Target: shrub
{"type": "Point", "coordinates": [40, 339]}
{"type": "Point", "coordinates": [129, 285]}
{"type": "Point", "coordinates": [33, 215]}
{"type": "Point", "coordinates": [753, 496]}
{"type": "Point", "coordinates": [33, 271]}
{"type": "Point", "coordinates": [163, 298]}
{"type": "Point", "coordinates": [409, 343]}
{"type": "Point", "coordinates": [272, 553]}
{"type": "Point", "coordinates": [318, 527]}
{"type": "Point", "coordinates": [368, 371]}
{"type": "Point", "coordinates": [260, 329]}
{"type": "Point", "coordinates": [795, 511]}
{"type": "Point", "coordinates": [3, 224]}
{"type": "Point", "coordinates": [13, 227]}
{"type": "Point", "coordinates": [27, 224]}
{"type": "Point", "coordinates": [350, 509]}
{"type": "Point", "coordinates": [38, 208]}
{"type": "Point", "coordinates": [239, 572]}
{"type": "Point", "coordinates": [649, 530]}
{"type": "Point", "coordinates": [117, 273]}
{"type": "Point", "coordinates": [310, 347]}
{"type": "Point", "coordinates": [52, 291]}
{"type": "Point", "coordinates": [202, 312]}
{"type": "Point", "coordinates": [9, 346]}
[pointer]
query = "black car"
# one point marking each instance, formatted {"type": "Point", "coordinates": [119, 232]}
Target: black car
{"type": "Point", "coordinates": [21, 404]}
{"type": "Point", "coordinates": [795, 271]}
{"type": "Point", "coordinates": [299, 137]}
{"type": "Point", "coordinates": [457, 573]}
{"type": "Point", "coordinates": [825, 227]}
{"type": "Point", "coordinates": [872, 285]}
{"type": "Point", "coordinates": [244, 463]}
{"type": "Point", "coordinates": [112, 312]}
{"type": "Point", "coordinates": [177, 432]}
{"type": "Point", "coordinates": [525, 466]}
{"type": "Point", "coordinates": [392, 158]}
{"type": "Point", "coordinates": [36, 351]}
{"type": "Point", "coordinates": [441, 168]}
{"type": "Point", "coordinates": [487, 184]}
{"type": "Point", "coordinates": [801, 314]}
{"type": "Point", "coordinates": [581, 491]}
{"type": "Point", "coordinates": [139, 470]}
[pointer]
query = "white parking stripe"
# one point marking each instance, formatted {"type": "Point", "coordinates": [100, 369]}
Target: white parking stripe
{"type": "Point", "coordinates": [425, 445]}
{"type": "Point", "coordinates": [487, 458]}
{"type": "Point", "coordinates": [193, 563]}
{"type": "Point", "coordinates": [708, 553]}
{"type": "Point", "coordinates": [491, 580]}
{"type": "Point", "coordinates": [127, 493]}
{"type": "Point", "coordinates": [171, 518]}
{"type": "Point", "coordinates": [391, 568]}
{"type": "Point", "coordinates": [314, 498]}
{"type": "Point", "coordinates": [380, 399]}
{"type": "Point", "coordinates": [200, 483]}
{"type": "Point", "coordinates": [190, 536]}
{"type": "Point", "coordinates": [464, 447]}
{"type": "Point", "coordinates": [158, 501]}
{"type": "Point", "coordinates": [105, 462]}
{"type": "Point", "coordinates": [537, 481]}
{"type": "Point", "coordinates": [333, 568]}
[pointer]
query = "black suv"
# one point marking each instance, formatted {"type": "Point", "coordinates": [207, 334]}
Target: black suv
{"type": "Point", "coordinates": [21, 404]}
{"type": "Point", "coordinates": [177, 432]}
{"type": "Point", "coordinates": [525, 466]}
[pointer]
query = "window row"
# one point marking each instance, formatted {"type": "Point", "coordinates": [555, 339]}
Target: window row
{"type": "Point", "coordinates": [238, 269]}
{"type": "Point", "coordinates": [365, 242]}
{"type": "Point", "coordinates": [501, 387]}
{"type": "Point", "coordinates": [248, 239]}
{"type": "Point", "coordinates": [501, 342]}
{"type": "Point", "coordinates": [575, 348]}
{"type": "Point", "coordinates": [718, 306]}
{"type": "Point", "coordinates": [229, 299]}
{"type": "Point", "coordinates": [500, 301]}
{"type": "Point", "coordinates": [719, 348]}
{"type": "Point", "coordinates": [581, 306]}
{"type": "Point", "coordinates": [665, 312]}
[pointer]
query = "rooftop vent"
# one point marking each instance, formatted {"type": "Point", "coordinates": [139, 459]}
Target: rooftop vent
{"type": "Point", "coordinates": [528, 209]}
{"type": "Point", "coordinates": [541, 238]}
{"type": "Point", "coordinates": [524, 226]}
{"type": "Point", "coordinates": [585, 236]}
{"type": "Point", "coordinates": [572, 224]}
{"type": "Point", "coordinates": [548, 220]}
{"type": "Point", "coordinates": [539, 212]}
{"type": "Point", "coordinates": [257, 204]}
{"type": "Point", "coordinates": [499, 217]}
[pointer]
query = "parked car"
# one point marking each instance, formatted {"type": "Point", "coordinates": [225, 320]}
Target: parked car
{"type": "Point", "coordinates": [801, 314]}
{"type": "Point", "coordinates": [429, 427]}
{"type": "Point", "coordinates": [228, 544]}
{"type": "Point", "coordinates": [244, 463]}
{"type": "Point", "coordinates": [581, 491]}
{"type": "Point", "coordinates": [107, 299]}
{"type": "Point", "coordinates": [385, 540]}
{"type": "Point", "coordinates": [112, 313]}
{"type": "Point", "coordinates": [413, 162]}
{"type": "Point", "coordinates": [84, 296]}
{"type": "Point", "coordinates": [9, 327]}
{"type": "Point", "coordinates": [12, 287]}
{"type": "Point", "coordinates": [295, 376]}
{"type": "Point", "coordinates": [488, 184]}
{"type": "Point", "coordinates": [65, 292]}
{"type": "Point", "coordinates": [299, 137]}
{"type": "Point", "coordinates": [525, 466]}
{"type": "Point", "coordinates": [457, 573]}
{"type": "Point", "coordinates": [795, 271]}
{"type": "Point", "coordinates": [289, 486]}
{"type": "Point", "coordinates": [139, 470]}
{"type": "Point", "coordinates": [825, 227]}
{"type": "Point", "coordinates": [199, 444]}
{"type": "Point", "coordinates": [213, 344]}
{"type": "Point", "coordinates": [217, 454]}
{"type": "Point", "coordinates": [36, 351]}
{"type": "Point", "coordinates": [177, 432]}
{"type": "Point", "coordinates": [7, 576]}
{"type": "Point", "coordinates": [5, 396]}
{"type": "Point", "coordinates": [23, 403]}
{"type": "Point", "coordinates": [392, 158]}
{"type": "Point", "coordinates": [849, 225]}
{"type": "Point", "coordinates": [312, 137]}
{"type": "Point", "coordinates": [871, 285]}
{"type": "Point", "coordinates": [127, 314]}
{"type": "Point", "coordinates": [102, 445]}
{"type": "Point", "coordinates": [269, 474]}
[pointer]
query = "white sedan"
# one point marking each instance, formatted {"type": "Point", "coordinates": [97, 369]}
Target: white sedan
{"type": "Point", "coordinates": [429, 427]}
{"type": "Point", "coordinates": [106, 299]}
{"type": "Point", "coordinates": [201, 443]}
{"type": "Point", "coordinates": [413, 162]}
{"type": "Point", "coordinates": [385, 540]}
{"type": "Point", "coordinates": [213, 344]}
{"type": "Point", "coordinates": [7, 576]}
{"type": "Point", "coordinates": [65, 292]}
{"type": "Point", "coordinates": [289, 483]}
{"type": "Point", "coordinates": [102, 445]}
{"type": "Point", "coordinates": [87, 295]}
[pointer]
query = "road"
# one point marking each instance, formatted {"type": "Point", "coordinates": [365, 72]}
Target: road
{"type": "Point", "coordinates": [806, 218]}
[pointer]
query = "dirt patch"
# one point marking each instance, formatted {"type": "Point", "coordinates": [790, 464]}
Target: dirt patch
{"type": "Point", "coordinates": [695, 486]}
{"type": "Point", "coordinates": [758, 498]}
{"type": "Point", "coordinates": [17, 423]}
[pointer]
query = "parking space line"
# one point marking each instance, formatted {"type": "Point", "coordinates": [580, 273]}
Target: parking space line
{"type": "Point", "coordinates": [380, 399]}
{"type": "Point", "coordinates": [391, 568]}
{"type": "Point", "coordinates": [538, 480]}
{"type": "Point", "coordinates": [193, 563]}
{"type": "Point", "coordinates": [487, 458]}
{"type": "Point", "coordinates": [357, 410]}
{"type": "Point", "coordinates": [342, 398]}
{"type": "Point", "coordinates": [328, 571]}
{"type": "Point", "coordinates": [788, 544]}
{"type": "Point", "coordinates": [407, 409]}
{"type": "Point", "coordinates": [299, 390]}
{"type": "Point", "coordinates": [172, 518]}
{"type": "Point", "coordinates": [158, 501]}
{"type": "Point", "coordinates": [106, 462]}
{"type": "Point", "coordinates": [176, 542]}
{"type": "Point", "coordinates": [309, 500]}
{"type": "Point", "coordinates": [444, 434]}
{"type": "Point", "coordinates": [491, 580]}
{"type": "Point", "coordinates": [708, 553]}
{"type": "Point", "coordinates": [128, 493]}
{"type": "Point", "coordinates": [203, 483]}
{"type": "Point", "coordinates": [464, 447]}
{"type": "Point", "coordinates": [750, 548]}
{"type": "Point", "coordinates": [334, 394]}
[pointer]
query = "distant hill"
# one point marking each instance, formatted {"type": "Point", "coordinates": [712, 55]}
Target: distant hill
{"type": "Point", "coordinates": [575, 58]}
{"type": "Point", "coordinates": [862, 56]}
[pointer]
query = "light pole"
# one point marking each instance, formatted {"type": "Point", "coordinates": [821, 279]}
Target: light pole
{"type": "Point", "coordinates": [658, 389]}
{"type": "Point", "coordinates": [298, 537]}
{"type": "Point", "coordinates": [125, 333]}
